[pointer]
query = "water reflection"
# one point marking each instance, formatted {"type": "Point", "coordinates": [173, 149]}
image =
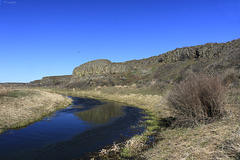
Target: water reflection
{"type": "Point", "coordinates": [102, 114]}
{"type": "Point", "coordinates": [71, 132]}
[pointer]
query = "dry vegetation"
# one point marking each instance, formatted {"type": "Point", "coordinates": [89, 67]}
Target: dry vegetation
{"type": "Point", "coordinates": [199, 99]}
{"type": "Point", "coordinates": [219, 139]}
{"type": "Point", "coordinates": [153, 103]}
{"type": "Point", "coordinates": [4, 91]}
{"type": "Point", "coordinates": [20, 107]}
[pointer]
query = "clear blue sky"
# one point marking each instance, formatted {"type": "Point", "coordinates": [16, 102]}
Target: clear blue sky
{"type": "Point", "coordinates": [51, 37]}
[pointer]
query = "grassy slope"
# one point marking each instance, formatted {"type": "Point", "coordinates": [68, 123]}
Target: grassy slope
{"type": "Point", "coordinates": [21, 107]}
{"type": "Point", "coordinates": [217, 140]}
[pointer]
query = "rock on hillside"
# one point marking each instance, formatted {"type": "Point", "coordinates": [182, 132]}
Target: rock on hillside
{"type": "Point", "coordinates": [99, 68]}
{"type": "Point", "coordinates": [206, 51]}
{"type": "Point", "coordinates": [52, 81]}
{"type": "Point", "coordinates": [165, 68]}
{"type": "Point", "coordinates": [56, 80]}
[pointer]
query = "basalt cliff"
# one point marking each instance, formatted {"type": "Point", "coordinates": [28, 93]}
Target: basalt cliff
{"type": "Point", "coordinates": [156, 71]}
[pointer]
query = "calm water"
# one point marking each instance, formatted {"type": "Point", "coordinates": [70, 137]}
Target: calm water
{"type": "Point", "coordinates": [85, 126]}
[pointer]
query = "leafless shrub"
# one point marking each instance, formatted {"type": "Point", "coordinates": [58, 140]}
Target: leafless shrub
{"type": "Point", "coordinates": [200, 98]}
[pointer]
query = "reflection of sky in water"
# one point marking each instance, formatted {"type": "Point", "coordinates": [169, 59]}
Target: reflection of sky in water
{"type": "Point", "coordinates": [84, 114]}
{"type": "Point", "coordinates": [60, 127]}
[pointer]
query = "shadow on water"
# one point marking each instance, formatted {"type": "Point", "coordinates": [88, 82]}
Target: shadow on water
{"type": "Point", "coordinates": [85, 126]}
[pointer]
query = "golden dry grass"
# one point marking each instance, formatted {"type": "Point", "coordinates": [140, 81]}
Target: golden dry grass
{"type": "Point", "coordinates": [4, 90]}
{"type": "Point", "coordinates": [218, 140]}
{"type": "Point", "coordinates": [18, 111]}
{"type": "Point", "coordinates": [153, 103]}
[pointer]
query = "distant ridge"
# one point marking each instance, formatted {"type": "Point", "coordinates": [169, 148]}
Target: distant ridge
{"type": "Point", "coordinates": [165, 68]}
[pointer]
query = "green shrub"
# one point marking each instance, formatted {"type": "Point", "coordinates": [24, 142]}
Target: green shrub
{"type": "Point", "coordinates": [200, 98]}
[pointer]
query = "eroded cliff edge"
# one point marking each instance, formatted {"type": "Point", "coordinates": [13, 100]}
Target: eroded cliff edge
{"type": "Point", "coordinates": [164, 68]}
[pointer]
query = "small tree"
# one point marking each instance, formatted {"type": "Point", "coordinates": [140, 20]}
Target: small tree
{"type": "Point", "coordinates": [200, 98]}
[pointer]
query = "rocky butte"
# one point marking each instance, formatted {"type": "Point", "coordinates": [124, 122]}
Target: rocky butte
{"type": "Point", "coordinates": [162, 69]}
{"type": "Point", "coordinates": [99, 69]}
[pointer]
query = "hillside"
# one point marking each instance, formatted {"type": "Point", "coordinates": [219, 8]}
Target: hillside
{"type": "Point", "coordinates": [146, 83]}
{"type": "Point", "coordinates": [157, 72]}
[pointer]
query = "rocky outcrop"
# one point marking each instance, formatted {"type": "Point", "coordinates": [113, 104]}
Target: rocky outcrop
{"type": "Point", "coordinates": [52, 81]}
{"type": "Point", "coordinates": [55, 80]}
{"type": "Point", "coordinates": [35, 83]}
{"type": "Point", "coordinates": [206, 51]}
{"type": "Point", "coordinates": [165, 67]}
{"type": "Point", "coordinates": [99, 68]}
{"type": "Point", "coordinates": [102, 67]}
{"type": "Point", "coordinates": [137, 71]}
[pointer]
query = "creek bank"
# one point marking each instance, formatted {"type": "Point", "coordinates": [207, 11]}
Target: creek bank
{"type": "Point", "coordinates": [154, 109]}
{"type": "Point", "coordinates": [94, 138]}
{"type": "Point", "coordinates": [24, 106]}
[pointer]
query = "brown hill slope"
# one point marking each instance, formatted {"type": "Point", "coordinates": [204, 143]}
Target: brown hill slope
{"type": "Point", "coordinates": [156, 71]}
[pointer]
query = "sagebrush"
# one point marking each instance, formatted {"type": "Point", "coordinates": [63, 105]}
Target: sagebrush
{"type": "Point", "coordinates": [200, 98]}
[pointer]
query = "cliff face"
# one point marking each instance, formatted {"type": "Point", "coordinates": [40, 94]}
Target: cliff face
{"type": "Point", "coordinates": [165, 68]}
{"type": "Point", "coordinates": [99, 68]}
{"type": "Point", "coordinates": [206, 51]}
{"type": "Point", "coordinates": [102, 68]}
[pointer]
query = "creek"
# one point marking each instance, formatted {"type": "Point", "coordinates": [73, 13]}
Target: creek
{"type": "Point", "coordinates": [87, 125]}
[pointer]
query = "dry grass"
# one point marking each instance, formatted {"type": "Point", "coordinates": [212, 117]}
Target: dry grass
{"type": "Point", "coordinates": [203, 142]}
{"type": "Point", "coordinates": [153, 103]}
{"type": "Point", "coordinates": [128, 149]}
{"type": "Point", "coordinates": [217, 140]}
{"type": "Point", "coordinates": [4, 90]}
{"type": "Point", "coordinates": [28, 106]}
